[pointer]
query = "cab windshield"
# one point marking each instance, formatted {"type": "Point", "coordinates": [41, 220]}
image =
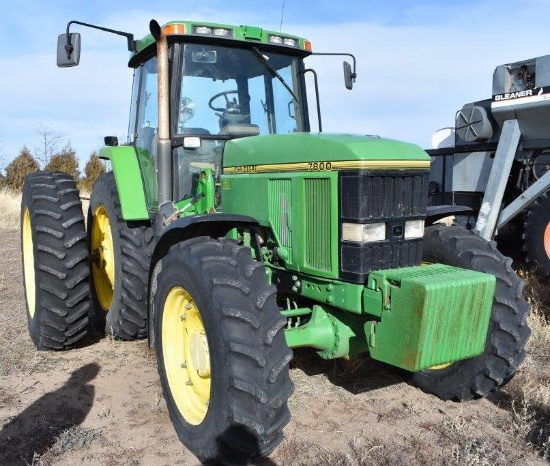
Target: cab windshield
{"type": "Point", "coordinates": [231, 92]}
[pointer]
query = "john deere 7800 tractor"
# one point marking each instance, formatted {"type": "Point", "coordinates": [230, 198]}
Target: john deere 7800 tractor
{"type": "Point", "coordinates": [228, 233]}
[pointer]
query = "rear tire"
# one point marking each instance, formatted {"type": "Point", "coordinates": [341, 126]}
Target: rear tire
{"type": "Point", "coordinates": [236, 410]}
{"type": "Point", "coordinates": [508, 331]}
{"type": "Point", "coordinates": [536, 235]}
{"type": "Point", "coordinates": [120, 255]}
{"type": "Point", "coordinates": [55, 260]}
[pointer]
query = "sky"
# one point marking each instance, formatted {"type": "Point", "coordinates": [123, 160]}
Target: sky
{"type": "Point", "coordinates": [418, 61]}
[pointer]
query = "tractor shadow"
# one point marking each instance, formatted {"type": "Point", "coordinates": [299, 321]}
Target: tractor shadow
{"type": "Point", "coordinates": [357, 375]}
{"type": "Point", "coordinates": [36, 429]}
{"type": "Point", "coordinates": [93, 336]}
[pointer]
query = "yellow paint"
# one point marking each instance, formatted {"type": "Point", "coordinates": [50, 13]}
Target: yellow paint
{"type": "Point", "coordinates": [103, 265]}
{"type": "Point", "coordinates": [186, 355]}
{"type": "Point", "coordinates": [28, 263]}
{"type": "Point", "coordinates": [440, 366]}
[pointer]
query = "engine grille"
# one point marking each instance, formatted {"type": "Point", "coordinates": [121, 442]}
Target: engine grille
{"type": "Point", "coordinates": [317, 223]}
{"type": "Point", "coordinates": [391, 197]}
{"type": "Point", "coordinates": [280, 202]}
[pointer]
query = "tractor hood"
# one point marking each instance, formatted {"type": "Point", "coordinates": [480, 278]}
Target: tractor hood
{"type": "Point", "coordinates": [301, 151]}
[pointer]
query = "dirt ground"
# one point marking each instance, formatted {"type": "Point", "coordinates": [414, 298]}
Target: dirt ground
{"type": "Point", "coordinates": [102, 404]}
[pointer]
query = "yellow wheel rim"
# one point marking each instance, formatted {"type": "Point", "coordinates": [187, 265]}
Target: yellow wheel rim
{"type": "Point", "coordinates": [28, 263]}
{"type": "Point", "coordinates": [440, 366]}
{"type": "Point", "coordinates": [186, 355]}
{"type": "Point", "coordinates": [103, 257]}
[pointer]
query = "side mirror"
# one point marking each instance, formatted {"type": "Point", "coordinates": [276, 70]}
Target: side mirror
{"type": "Point", "coordinates": [110, 141]}
{"type": "Point", "coordinates": [349, 76]}
{"type": "Point", "coordinates": [68, 52]}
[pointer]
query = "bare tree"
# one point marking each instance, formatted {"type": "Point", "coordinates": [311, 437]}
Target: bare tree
{"type": "Point", "coordinates": [49, 143]}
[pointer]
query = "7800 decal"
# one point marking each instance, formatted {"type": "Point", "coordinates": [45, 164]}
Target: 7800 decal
{"type": "Point", "coordinates": [319, 166]}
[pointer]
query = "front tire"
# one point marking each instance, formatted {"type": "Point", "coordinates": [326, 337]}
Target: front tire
{"type": "Point", "coordinates": [508, 331]}
{"type": "Point", "coordinates": [221, 351]}
{"type": "Point", "coordinates": [120, 254]}
{"type": "Point", "coordinates": [55, 260]}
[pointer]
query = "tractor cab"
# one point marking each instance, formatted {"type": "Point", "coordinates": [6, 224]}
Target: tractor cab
{"type": "Point", "coordinates": [225, 82]}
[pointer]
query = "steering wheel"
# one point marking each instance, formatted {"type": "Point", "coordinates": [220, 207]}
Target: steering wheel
{"type": "Point", "coordinates": [244, 98]}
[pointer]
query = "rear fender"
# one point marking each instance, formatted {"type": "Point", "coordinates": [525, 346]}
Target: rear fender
{"type": "Point", "coordinates": [129, 181]}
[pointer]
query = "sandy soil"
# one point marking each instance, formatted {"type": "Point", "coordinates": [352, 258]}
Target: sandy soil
{"type": "Point", "coordinates": [102, 404]}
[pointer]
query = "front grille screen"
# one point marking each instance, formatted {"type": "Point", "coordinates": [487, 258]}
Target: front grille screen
{"type": "Point", "coordinates": [391, 197]}
{"type": "Point", "coordinates": [373, 195]}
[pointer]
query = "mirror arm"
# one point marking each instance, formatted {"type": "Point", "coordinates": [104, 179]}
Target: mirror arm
{"type": "Point", "coordinates": [132, 44]}
{"type": "Point", "coordinates": [336, 54]}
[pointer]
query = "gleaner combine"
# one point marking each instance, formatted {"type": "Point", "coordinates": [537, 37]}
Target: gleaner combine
{"type": "Point", "coordinates": [228, 233]}
{"type": "Point", "coordinates": [496, 161]}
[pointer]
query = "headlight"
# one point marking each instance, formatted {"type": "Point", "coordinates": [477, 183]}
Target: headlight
{"type": "Point", "coordinates": [414, 229]}
{"type": "Point", "coordinates": [221, 32]}
{"type": "Point", "coordinates": [360, 233]}
{"type": "Point", "coordinates": [203, 30]}
{"type": "Point", "coordinates": [275, 39]}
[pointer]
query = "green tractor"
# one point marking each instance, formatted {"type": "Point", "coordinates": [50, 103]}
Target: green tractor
{"type": "Point", "coordinates": [228, 233]}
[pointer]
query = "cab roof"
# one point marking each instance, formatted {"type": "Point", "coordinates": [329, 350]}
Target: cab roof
{"type": "Point", "coordinates": [248, 34]}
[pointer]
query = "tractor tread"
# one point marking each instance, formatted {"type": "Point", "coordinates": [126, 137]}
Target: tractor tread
{"type": "Point", "coordinates": [133, 243]}
{"type": "Point", "coordinates": [60, 319]}
{"type": "Point", "coordinates": [245, 316]}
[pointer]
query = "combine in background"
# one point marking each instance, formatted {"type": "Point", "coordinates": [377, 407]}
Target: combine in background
{"type": "Point", "coordinates": [498, 159]}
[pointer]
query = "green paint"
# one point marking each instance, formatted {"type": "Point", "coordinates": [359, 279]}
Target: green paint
{"type": "Point", "coordinates": [299, 209]}
{"type": "Point", "coordinates": [341, 295]}
{"type": "Point", "coordinates": [252, 32]}
{"type": "Point", "coordinates": [308, 147]}
{"type": "Point", "coordinates": [206, 189]}
{"type": "Point", "coordinates": [431, 315]}
{"type": "Point", "coordinates": [149, 177]}
{"type": "Point", "coordinates": [128, 180]}
{"type": "Point", "coordinates": [330, 332]}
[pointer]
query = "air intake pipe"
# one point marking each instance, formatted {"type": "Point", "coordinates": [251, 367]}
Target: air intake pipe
{"type": "Point", "coordinates": [164, 144]}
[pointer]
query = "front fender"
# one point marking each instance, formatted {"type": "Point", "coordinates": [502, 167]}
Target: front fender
{"type": "Point", "coordinates": [435, 213]}
{"type": "Point", "coordinates": [214, 225]}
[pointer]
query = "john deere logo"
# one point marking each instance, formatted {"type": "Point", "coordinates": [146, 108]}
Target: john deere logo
{"type": "Point", "coordinates": [397, 231]}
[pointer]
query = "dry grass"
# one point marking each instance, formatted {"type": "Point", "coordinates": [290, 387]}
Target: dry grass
{"type": "Point", "coordinates": [10, 207]}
